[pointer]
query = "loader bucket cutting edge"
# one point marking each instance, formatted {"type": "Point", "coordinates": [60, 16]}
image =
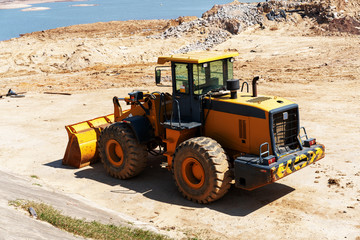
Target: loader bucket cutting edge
{"type": "Point", "coordinates": [81, 149]}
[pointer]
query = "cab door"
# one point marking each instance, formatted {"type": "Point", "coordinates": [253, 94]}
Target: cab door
{"type": "Point", "coordinates": [183, 94]}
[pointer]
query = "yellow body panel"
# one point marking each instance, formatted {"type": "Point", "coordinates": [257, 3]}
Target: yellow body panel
{"type": "Point", "coordinates": [263, 102]}
{"type": "Point", "coordinates": [197, 57]}
{"type": "Point", "coordinates": [225, 128]}
{"type": "Point", "coordinates": [242, 133]}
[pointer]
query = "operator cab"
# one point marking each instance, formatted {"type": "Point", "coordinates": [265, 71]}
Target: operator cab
{"type": "Point", "coordinates": [202, 78]}
{"type": "Point", "coordinates": [195, 75]}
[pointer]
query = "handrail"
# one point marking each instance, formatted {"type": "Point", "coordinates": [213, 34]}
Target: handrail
{"type": "Point", "coordinates": [172, 113]}
{"type": "Point", "coordinates": [305, 135]}
{"type": "Point", "coordinates": [261, 153]}
{"type": "Point", "coordinates": [247, 85]}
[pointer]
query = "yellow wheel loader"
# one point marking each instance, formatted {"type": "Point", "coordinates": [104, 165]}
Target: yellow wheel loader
{"type": "Point", "coordinates": [212, 133]}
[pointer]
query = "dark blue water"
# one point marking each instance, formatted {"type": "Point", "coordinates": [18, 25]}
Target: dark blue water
{"type": "Point", "coordinates": [14, 22]}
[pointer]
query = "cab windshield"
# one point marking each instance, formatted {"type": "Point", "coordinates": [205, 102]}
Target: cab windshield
{"type": "Point", "coordinates": [212, 76]}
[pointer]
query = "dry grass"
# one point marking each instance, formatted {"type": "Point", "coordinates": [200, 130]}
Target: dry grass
{"type": "Point", "coordinates": [81, 227]}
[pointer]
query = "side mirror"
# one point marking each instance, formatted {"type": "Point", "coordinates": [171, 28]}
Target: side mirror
{"type": "Point", "coordinates": [158, 70]}
{"type": "Point", "coordinates": [157, 76]}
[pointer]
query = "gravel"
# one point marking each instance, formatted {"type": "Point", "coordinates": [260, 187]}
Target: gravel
{"type": "Point", "coordinates": [222, 22]}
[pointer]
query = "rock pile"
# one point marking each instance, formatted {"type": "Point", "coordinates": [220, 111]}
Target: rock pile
{"type": "Point", "coordinates": [234, 17]}
{"type": "Point", "coordinates": [219, 23]}
{"type": "Point", "coordinates": [332, 15]}
{"type": "Point", "coordinates": [330, 12]}
{"type": "Point", "coordinates": [323, 11]}
{"type": "Point", "coordinates": [223, 21]}
{"type": "Point", "coordinates": [214, 38]}
{"type": "Point", "coordinates": [185, 27]}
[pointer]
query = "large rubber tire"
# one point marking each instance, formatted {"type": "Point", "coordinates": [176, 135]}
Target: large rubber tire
{"type": "Point", "coordinates": [121, 154]}
{"type": "Point", "coordinates": [201, 170]}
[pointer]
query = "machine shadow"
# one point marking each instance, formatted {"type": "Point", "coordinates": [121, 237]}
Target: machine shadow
{"type": "Point", "coordinates": [157, 184]}
{"type": "Point", "coordinates": [57, 164]}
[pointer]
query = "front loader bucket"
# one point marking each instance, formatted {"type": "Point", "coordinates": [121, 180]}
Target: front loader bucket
{"type": "Point", "coordinates": [82, 146]}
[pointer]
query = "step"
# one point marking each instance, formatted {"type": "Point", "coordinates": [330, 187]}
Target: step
{"type": "Point", "coordinates": [168, 140]}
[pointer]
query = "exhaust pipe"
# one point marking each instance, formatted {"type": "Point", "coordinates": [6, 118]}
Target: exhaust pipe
{"type": "Point", "coordinates": [254, 87]}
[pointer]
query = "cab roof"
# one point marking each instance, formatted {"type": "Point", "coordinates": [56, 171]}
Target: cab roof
{"type": "Point", "coordinates": [197, 57]}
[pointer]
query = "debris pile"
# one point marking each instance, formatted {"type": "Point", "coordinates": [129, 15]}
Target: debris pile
{"type": "Point", "coordinates": [223, 21]}
{"type": "Point", "coordinates": [234, 17]}
{"type": "Point", "coordinates": [214, 38]}
{"type": "Point", "coordinates": [330, 13]}
{"type": "Point", "coordinates": [279, 15]}
{"type": "Point", "coordinates": [273, 10]}
{"type": "Point", "coordinates": [185, 27]}
{"type": "Point", "coordinates": [335, 16]}
{"type": "Point", "coordinates": [219, 24]}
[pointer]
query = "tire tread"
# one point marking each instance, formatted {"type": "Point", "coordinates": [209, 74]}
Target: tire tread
{"type": "Point", "coordinates": [136, 152]}
{"type": "Point", "coordinates": [219, 166]}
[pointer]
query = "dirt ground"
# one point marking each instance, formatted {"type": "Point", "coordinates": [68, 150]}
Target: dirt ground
{"type": "Point", "coordinates": [96, 62]}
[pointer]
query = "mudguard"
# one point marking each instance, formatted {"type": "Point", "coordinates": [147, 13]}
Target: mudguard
{"type": "Point", "coordinates": [141, 127]}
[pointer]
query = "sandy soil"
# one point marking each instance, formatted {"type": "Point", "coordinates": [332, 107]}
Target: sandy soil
{"type": "Point", "coordinates": [95, 62]}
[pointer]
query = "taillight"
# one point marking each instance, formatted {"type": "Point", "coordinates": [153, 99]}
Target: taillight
{"type": "Point", "coordinates": [309, 142]}
{"type": "Point", "coordinates": [271, 160]}
{"type": "Point", "coordinates": [268, 160]}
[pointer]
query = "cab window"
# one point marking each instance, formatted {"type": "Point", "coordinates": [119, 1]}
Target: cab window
{"type": "Point", "coordinates": [199, 73]}
{"type": "Point", "coordinates": [181, 78]}
{"type": "Point", "coordinates": [212, 75]}
{"type": "Point", "coordinates": [216, 74]}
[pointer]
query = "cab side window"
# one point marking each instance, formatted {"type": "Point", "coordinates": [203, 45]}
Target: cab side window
{"type": "Point", "coordinates": [199, 74]}
{"type": "Point", "coordinates": [181, 78]}
{"type": "Point", "coordinates": [216, 74]}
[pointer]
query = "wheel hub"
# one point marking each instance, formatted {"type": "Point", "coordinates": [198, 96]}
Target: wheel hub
{"type": "Point", "coordinates": [114, 153]}
{"type": "Point", "coordinates": [193, 173]}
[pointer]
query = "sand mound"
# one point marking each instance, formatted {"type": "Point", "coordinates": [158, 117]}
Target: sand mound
{"type": "Point", "coordinates": [84, 57]}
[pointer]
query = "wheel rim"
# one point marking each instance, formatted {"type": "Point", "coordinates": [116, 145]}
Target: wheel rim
{"type": "Point", "coordinates": [193, 173]}
{"type": "Point", "coordinates": [114, 153]}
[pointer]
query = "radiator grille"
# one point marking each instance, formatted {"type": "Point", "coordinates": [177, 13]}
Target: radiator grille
{"type": "Point", "coordinates": [285, 129]}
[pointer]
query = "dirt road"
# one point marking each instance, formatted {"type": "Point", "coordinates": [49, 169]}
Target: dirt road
{"type": "Point", "coordinates": [34, 143]}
